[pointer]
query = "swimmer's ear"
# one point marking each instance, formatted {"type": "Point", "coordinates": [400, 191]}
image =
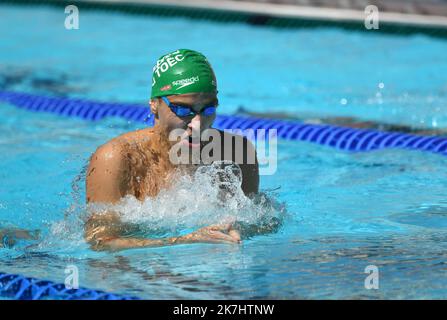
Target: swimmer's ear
{"type": "Point", "coordinates": [154, 107]}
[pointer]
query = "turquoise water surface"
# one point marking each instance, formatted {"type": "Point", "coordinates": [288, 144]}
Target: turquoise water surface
{"type": "Point", "coordinates": [343, 212]}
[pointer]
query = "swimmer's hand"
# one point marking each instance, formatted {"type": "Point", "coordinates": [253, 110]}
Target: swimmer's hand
{"type": "Point", "coordinates": [223, 233]}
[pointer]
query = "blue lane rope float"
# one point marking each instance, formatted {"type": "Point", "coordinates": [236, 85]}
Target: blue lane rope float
{"type": "Point", "coordinates": [22, 288]}
{"type": "Point", "coordinates": [343, 138]}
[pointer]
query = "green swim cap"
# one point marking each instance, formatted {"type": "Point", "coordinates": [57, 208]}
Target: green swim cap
{"type": "Point", "coordinates": [182, 71]}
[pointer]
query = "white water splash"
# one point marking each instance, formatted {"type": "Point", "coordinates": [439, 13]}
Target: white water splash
{"type": "Point", "coordinates": [213, 195]}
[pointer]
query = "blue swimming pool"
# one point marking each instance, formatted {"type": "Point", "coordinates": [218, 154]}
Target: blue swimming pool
{"type": "Point", "coordinates": [344, 211]}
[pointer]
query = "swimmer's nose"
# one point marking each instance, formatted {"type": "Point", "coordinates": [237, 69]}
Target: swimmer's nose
{"type": "Point", "coordinates": [194, 124]}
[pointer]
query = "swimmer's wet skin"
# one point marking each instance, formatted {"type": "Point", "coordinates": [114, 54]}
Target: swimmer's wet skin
{"type": "Point", "coordinates": [184, 96]}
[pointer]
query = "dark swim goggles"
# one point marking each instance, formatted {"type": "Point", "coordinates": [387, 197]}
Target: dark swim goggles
{"type": "Point", "coordinates": [182, 111]}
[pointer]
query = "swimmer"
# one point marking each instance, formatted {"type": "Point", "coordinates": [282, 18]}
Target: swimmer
{"type": "Point", "coordinates": [139, 163]}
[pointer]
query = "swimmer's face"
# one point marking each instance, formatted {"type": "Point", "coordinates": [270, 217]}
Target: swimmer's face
{"type": "Point", "coordinates": [169, 121]}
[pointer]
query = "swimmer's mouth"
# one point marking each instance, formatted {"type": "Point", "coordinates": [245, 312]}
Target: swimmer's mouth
{"type": "Point", "coordinates": [191, 143]}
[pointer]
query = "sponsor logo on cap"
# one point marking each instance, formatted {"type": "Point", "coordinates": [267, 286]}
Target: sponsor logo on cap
{"type": "Point", "coordinates": [166, 87]}
{"type": "Point", "coordinates": [185, 82]}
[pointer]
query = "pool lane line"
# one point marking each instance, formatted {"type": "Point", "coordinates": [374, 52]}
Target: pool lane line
{"type": "Point", "coordinates": [339, 137]}
{"type": "Point", "coordinates": [19, 287]}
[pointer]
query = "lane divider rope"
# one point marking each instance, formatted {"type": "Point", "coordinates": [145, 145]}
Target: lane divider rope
{"type": "Point", "coordinates": [19, 287]}
{"type": "Point", "coordinates": [344, 138]}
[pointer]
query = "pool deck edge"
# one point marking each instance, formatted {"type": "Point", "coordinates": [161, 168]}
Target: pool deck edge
{"type": "Point", "coordinates": [292, 11]}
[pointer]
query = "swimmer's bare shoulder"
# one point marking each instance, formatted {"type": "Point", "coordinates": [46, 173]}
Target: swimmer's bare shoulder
{"type": "Point", "coordinates": [108, 169]}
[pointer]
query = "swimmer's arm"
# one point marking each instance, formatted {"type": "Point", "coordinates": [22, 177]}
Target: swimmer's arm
{"type": "Point", "coordinates": [104, 233]}
{"type": "Point", "coordinates": [106, 183]}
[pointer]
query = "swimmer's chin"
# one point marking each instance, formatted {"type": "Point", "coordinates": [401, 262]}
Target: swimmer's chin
{"type": "Point", "coordinates": [190, 145]}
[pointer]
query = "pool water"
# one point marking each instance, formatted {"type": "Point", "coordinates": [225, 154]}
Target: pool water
{"type": "Point", "coordinates": [344, 211]}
